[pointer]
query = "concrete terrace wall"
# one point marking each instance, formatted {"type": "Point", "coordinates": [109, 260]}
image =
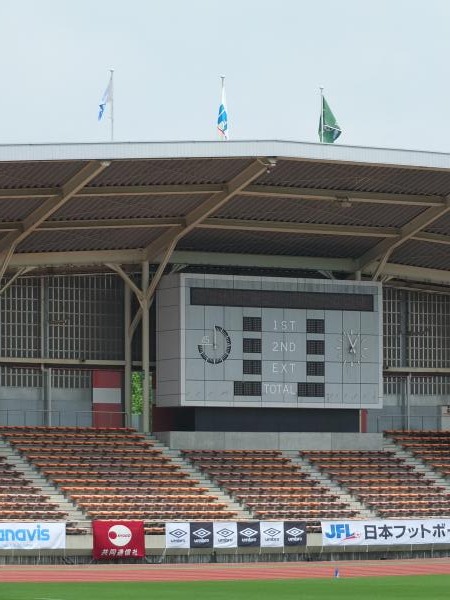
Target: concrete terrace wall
{"type": "Point", "coordinates": [205, 440]}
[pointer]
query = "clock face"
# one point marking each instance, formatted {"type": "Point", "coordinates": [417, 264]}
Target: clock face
{"type": "Point", "coordinates": [351, 348]}
{"type": "Point", "coordinates": [215, 347]}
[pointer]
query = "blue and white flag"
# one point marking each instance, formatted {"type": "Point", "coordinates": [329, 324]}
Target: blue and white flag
{"type": "Point", "coordinates": [106, 98]}
{"type": "Point", "coordinates": [222, 120]}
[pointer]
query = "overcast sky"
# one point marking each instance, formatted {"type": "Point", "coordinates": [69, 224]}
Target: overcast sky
{"type": "Point", "coordinates": [384, 64]}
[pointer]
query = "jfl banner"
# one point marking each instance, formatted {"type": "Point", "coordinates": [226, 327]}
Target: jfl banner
{"type": "Point", "coordinates": [118, 539]}
{"type": "Point", "coordinates": [386, 532]}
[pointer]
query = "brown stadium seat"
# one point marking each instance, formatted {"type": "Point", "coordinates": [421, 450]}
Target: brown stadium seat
{"type": "Point", "coordinates": [383, 482]}
{"type": "Point", "coordinates": [269, 484]}
{"type": "Point", "coordinates": [432, 447]}
{"type": "Point", "coordinates": [115, 473]}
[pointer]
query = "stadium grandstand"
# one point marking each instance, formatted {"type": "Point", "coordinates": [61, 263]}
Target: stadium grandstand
{"type": "Point", "coordinates": [285, 305]}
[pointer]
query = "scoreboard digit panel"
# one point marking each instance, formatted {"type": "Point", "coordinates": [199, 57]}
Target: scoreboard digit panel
{"type": "Point", "coordinates": [269, 342]}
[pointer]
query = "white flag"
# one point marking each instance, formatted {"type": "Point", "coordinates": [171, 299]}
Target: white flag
{"type": "Point", "coordinates": [106, 98]}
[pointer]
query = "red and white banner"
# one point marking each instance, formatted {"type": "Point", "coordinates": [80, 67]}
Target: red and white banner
{"type": "Point", "coordinates": [107, 398]}
{"type": "Point", "coordinates": [118, 539]}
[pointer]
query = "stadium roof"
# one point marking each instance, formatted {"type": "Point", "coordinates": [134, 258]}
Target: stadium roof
{"type": "Point", "coordinates": [379, 213]}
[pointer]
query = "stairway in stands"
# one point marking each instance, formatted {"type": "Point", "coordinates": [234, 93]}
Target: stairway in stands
{"type": "Point", "coordinates": [116, 473]}
{"type": "Point", "coordinates": [414, 454]}
{"type": "Point", "coordinates": [208, 483]}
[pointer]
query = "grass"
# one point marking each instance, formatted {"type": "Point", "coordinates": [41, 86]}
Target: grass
{"type": "Point", "coordinates": [428, 587]}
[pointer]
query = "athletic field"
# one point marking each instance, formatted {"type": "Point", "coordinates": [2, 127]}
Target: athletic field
{"type": "Point", "coordinates": [432, 587]}
{"type": "Point", "coordinates": [360, 580]}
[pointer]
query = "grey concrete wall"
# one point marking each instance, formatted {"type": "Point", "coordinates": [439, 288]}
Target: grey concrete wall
{"type": "Point", "coordinates": [205, 440]}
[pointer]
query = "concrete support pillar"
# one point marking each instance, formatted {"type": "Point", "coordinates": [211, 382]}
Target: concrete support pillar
{"type": "Point", "coordinates": [47, 375]}
{"type": "Point", "coordinates": [127, 354]}
{"type": "Point", "coordinates": [146, 408]}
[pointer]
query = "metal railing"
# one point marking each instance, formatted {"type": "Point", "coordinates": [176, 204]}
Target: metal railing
{"type": "Point", "coordinates": [63, 418]}
{"type": "Point", "coordinates": [405, 423]}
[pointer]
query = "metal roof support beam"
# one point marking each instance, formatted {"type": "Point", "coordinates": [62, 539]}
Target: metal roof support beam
{"type": "Point", "coordinates": [292, 227]}
{"type": "Point", "coordinates": [77, 258]}
{"type": "Point", "coordinates": [385, 248]}
{"type": "Point", "coordinates": [10, 241]}
{"type": "Point", "coordinates": [216, 223]}
{"type": "Point", "coordinates": [264, 261]}
{"type": "Point", "coordinates": [16, 275]}
{"type": "Point", "coordinates": [206, 208]}
{"type": "Point", "coordinates": [6, 258]}
{"type": "Point", "coordinates": [294, 193]}
{"type": "Point", "coordinates": [129, 283]}
{"type": "Point", "coordinates": [108, 191]}
{"type": "Point", "coordinates": [412, 273]}
{"type": "Point", "coordinates": [167, 241]}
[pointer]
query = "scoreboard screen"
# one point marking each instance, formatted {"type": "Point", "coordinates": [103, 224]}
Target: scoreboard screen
{"type": "Point", "coordinates": [268, 342]}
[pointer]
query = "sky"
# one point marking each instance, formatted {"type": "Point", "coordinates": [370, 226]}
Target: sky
{"type": "Point", "coordinates": [384, 66]}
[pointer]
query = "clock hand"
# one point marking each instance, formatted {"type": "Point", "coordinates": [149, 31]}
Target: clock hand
{"type": "Point", "coordinates": [352, 343]}
{"type": "Point", "coordinates": [214, 338]}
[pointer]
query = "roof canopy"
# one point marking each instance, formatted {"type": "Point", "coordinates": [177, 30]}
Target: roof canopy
{"type": "Point", "coordinates": [382, 213]}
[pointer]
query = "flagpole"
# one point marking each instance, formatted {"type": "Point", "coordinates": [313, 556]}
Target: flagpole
{"type": "Point", "coordinates": [112, 105]}
{"type": "Point", "coordinates": [222, 77]}
{"type": "Point", "coordinates": [321, 114]}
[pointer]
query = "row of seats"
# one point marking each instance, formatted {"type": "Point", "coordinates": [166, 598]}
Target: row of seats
{"type": "Point", "coordinates": [433, 447]}
{"type": "Point", "coordinates": [383, 482]}
{"type": "Point", "coordinates": [20, 500]}
{"type": "Point", "coordinates": [119, 474]}
{"type": "Point", "coordinates": [269, 485]}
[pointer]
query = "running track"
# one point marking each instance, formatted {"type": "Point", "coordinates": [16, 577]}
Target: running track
{"type": "Point", "coordinates": [214, 572]}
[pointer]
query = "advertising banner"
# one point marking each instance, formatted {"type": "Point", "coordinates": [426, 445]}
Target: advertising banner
{"type": "Point", "coordinates": [225, 535]}
{"type": "Point", "coordinates": [201, 535]}
{"type": "Point", "coordinates": [294, 533]}
{"type": "Point", "coordinates": [178, 535]}
{"type": "Point", "coordinates": [248, 534]}
{"type": "Point", "coordinates": [118, 539]}
{"type": "Point", "coordinates": [231, 534]}
{"type": "Point", "coordinates": [272, 534]}
{"type": "Point", "coordinates": [32, 536]}
{"type": "Point", "coordinates": [386, 532]}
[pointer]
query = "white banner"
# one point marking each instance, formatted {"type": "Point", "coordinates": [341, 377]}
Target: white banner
{"type": "Point", "coordinates": [272, 534]}
{"type": "Point", "coordinates": [177, 535]}
{"type": "Point", "coordinates": [32, 536]}
{"type": "Point", "coordinates": [225, 535]}
{"type": "Point", "coordinates": [386, 532]}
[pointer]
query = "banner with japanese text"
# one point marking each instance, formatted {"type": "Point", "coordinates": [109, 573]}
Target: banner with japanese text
{"type": "Point", "coordinates": [118, 539]}
{"type": "Point", "coordinates": [386, 532]}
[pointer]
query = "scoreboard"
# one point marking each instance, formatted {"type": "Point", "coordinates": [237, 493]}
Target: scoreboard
{"type": "Point", "coordinates": [268, 342]}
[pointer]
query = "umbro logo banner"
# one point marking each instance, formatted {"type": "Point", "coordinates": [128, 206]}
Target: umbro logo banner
{"type": "Point", "coordinates": [201, 535]}
{"type": "Point", "coordinates": [248, 534]}
{"type": "Point", "coordinates": [231, 534]}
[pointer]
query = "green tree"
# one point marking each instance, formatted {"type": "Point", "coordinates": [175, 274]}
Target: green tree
{"type": "Point", "coordinates": [136, 393]}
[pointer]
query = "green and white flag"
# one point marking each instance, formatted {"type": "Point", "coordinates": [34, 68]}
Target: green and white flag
{"type": "Point", "coordinates": [329, 130]}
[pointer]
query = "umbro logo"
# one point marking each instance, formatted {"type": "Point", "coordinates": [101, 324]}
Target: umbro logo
{"type": "Point", "coordinates": [248, 532]}
{"type": "Point", "coordinates": [201, 533]}
{"type": "Point", "coordinates": [178, 533]}
{"type": "Point", "coordinates": [295, 532]}
{"type": "Point", "coordinates": [272, 532]}
{"type": "Point", "coordinates": [225, 532]}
